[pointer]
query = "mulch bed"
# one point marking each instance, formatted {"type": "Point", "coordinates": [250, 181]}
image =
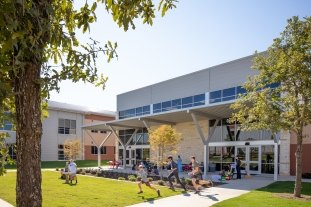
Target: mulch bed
{"type": "Point", "coordinates": [291, 196]}
{"type": "Point", "coordinates": [156, 179]}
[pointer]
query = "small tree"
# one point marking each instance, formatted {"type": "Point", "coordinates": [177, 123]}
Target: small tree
{"type": "Point", "coordinates": [288, 106]}
{"type": "Point", "coordinates": [72, 148]}
{"type": "Point", "coordinates": [163, 140]}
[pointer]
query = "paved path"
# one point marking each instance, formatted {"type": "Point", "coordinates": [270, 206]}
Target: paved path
{"type": "Point", "coordinates": [5, 204]}
{"type": "Point", "coordinates": [210, 196]}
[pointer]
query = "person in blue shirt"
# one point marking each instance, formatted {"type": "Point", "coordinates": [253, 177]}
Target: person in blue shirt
{"type": "Point", "coordinates": [179, 163]}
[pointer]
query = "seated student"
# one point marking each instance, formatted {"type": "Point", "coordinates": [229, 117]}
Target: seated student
{"type": "Point", "coordinates": [72, 167]}
{"type": "Point", "coordinates": [64, 172]}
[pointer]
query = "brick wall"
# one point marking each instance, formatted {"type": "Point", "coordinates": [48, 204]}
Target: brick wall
{"type": "Point", "coordinates": [108, 156]}
{"type": "Point", "coordinates": [306, 155]}
{"type": "Point", "coordinates": [306, 151]}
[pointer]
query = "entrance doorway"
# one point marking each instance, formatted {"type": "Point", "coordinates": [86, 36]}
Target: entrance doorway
{"type": "Point", "coordinates": [250, 159]}
{"type": "Point", "coordinates": [135, 155]}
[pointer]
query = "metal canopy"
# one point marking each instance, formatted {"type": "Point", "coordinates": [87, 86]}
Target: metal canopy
{"type": "Point", "coordinates": [216, 111]}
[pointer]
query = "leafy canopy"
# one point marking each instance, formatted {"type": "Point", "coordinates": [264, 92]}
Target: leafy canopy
{"type": "Point", "coordinates": [44, 32]}
{"type": "Point", "coordinates": [72, 148]}
{"type": "Point", "coordinates": [287, 63]}
{"type": "Point", "coordinates": [164, 140]}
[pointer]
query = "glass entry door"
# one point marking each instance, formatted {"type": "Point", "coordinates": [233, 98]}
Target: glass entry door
{"type": "Point", "coordinates": [250, 158]}
{"type": "Point", "coordinates": [135, 155]}
{"type": "Point", "coordinates": [130, 157]}
{"type": "Point", "coordinates": [254, 160]}
{"type": "Point", "coordinates": [241, 153]}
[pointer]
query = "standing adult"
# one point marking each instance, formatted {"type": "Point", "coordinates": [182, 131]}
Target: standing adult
{"type": "Point", "coordinates": [238, 167]}
{"type": "Point", "coordinates": [179, 163]}
{"type": "Point", "coordinates": [195, 174]}
{"type": "Point", "coordinates": [174, 172]}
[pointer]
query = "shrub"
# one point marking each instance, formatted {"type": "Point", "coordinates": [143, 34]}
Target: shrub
{"type": "Point", "coordinates": [160, 182]}
{"type": "Point", "coordinates": [150, 179]}
{"type": "Point", "coordinates": [56, 169]}
{"type": "Point", "coordinates": [121, 178]}
{"type": "Point", "coordinates": [87, 170]}
{"type": "Point", "coordinates": [131, 178]}
{"type": "Point", "coordinates": [188, 181]}
{"type": "Point", "coordinates": [138, 178]}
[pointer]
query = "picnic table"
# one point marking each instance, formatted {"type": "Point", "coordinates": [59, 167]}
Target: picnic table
{"type": "Point", "coordinates": [113, 164]}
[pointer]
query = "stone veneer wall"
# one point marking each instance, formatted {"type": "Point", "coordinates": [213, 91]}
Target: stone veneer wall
{"type": "Point", "coordinates": [191, 143]}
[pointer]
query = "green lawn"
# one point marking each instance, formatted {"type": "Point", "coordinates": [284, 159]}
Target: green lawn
{"type": "Point", "coordinates": [61, 164]}
{"type": "Point", "coordinates": [90, 191]}
{"type": "Point", "coordinates": [270, 196]}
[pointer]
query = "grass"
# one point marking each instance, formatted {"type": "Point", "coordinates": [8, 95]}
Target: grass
{"type": "Point", "coordinates": [61, 164]}
{"type": "Point", "coordinates": [277, 194]}
{"type": "Point", "coordinates": [90, 191]}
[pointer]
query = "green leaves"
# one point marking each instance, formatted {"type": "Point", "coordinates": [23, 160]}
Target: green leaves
{"type": "Point", "coordinates": [165, 5]}
{"type": "Point", "coordinates": [4, 153]}
{"type": "Point", "coordinates": [45, 32]}
{"type": "Point", "coordinates": [125, 12]}
{"type": "Point", "coordinates": [288, 62]}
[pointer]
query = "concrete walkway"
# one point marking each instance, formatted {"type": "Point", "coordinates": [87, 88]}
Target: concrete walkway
{"type": "Point", "coordinates": [5, 204]}
{"type": "Point", "coordinates": [210, 196]}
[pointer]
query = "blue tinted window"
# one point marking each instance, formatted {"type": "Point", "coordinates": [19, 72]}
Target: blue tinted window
{"type": "Point", "coordinates": [146, 109]}
{"type": "Point", "coordinates": [121, 114]}
{"type": "Point", "coordinates": [228, 98]}
{"type": "Point", "coordinates": [228, 92]}
{"type": "Point", "coordinates": [157, 108]}
{"type": "Point", "coordinates": [166, 106]}
{"type": "Point", "coordinates": [215, 96]}
{"type": "Point", "coordinates": [176, 104]}
{"type": "Point", "coordinates": [240, 90]}
{"type": "Point", "coordinates": [139, 111]}
{"type": "Point", "coordinates": [273, 85]}
{"type": "Point", "coordinates": [129, 113]}
{"type": "Point", "coordinates": [187, 102]}
{"type": "Point", "coordinates": [199, 100]}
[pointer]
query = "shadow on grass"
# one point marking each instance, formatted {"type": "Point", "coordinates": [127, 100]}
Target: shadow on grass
{"type": "Point", "coordinates": [149, 200]}
{"type": "Point", "coordinates": [286, 187]}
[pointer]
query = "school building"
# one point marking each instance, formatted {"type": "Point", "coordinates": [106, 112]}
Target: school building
{"type": "Point", "coordinates": [197, 105]}
{"type": "Point", "coordinates": [65, 122]}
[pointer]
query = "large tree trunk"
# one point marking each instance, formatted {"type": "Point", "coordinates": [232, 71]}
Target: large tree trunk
{"type": "Point", "coordinates": [28, 136]}
{"type": "Point", "coordinates": [298, 154]}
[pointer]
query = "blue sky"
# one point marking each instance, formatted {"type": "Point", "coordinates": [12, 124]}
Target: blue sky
{"type": "Point", "coordinates": [196, 35]}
